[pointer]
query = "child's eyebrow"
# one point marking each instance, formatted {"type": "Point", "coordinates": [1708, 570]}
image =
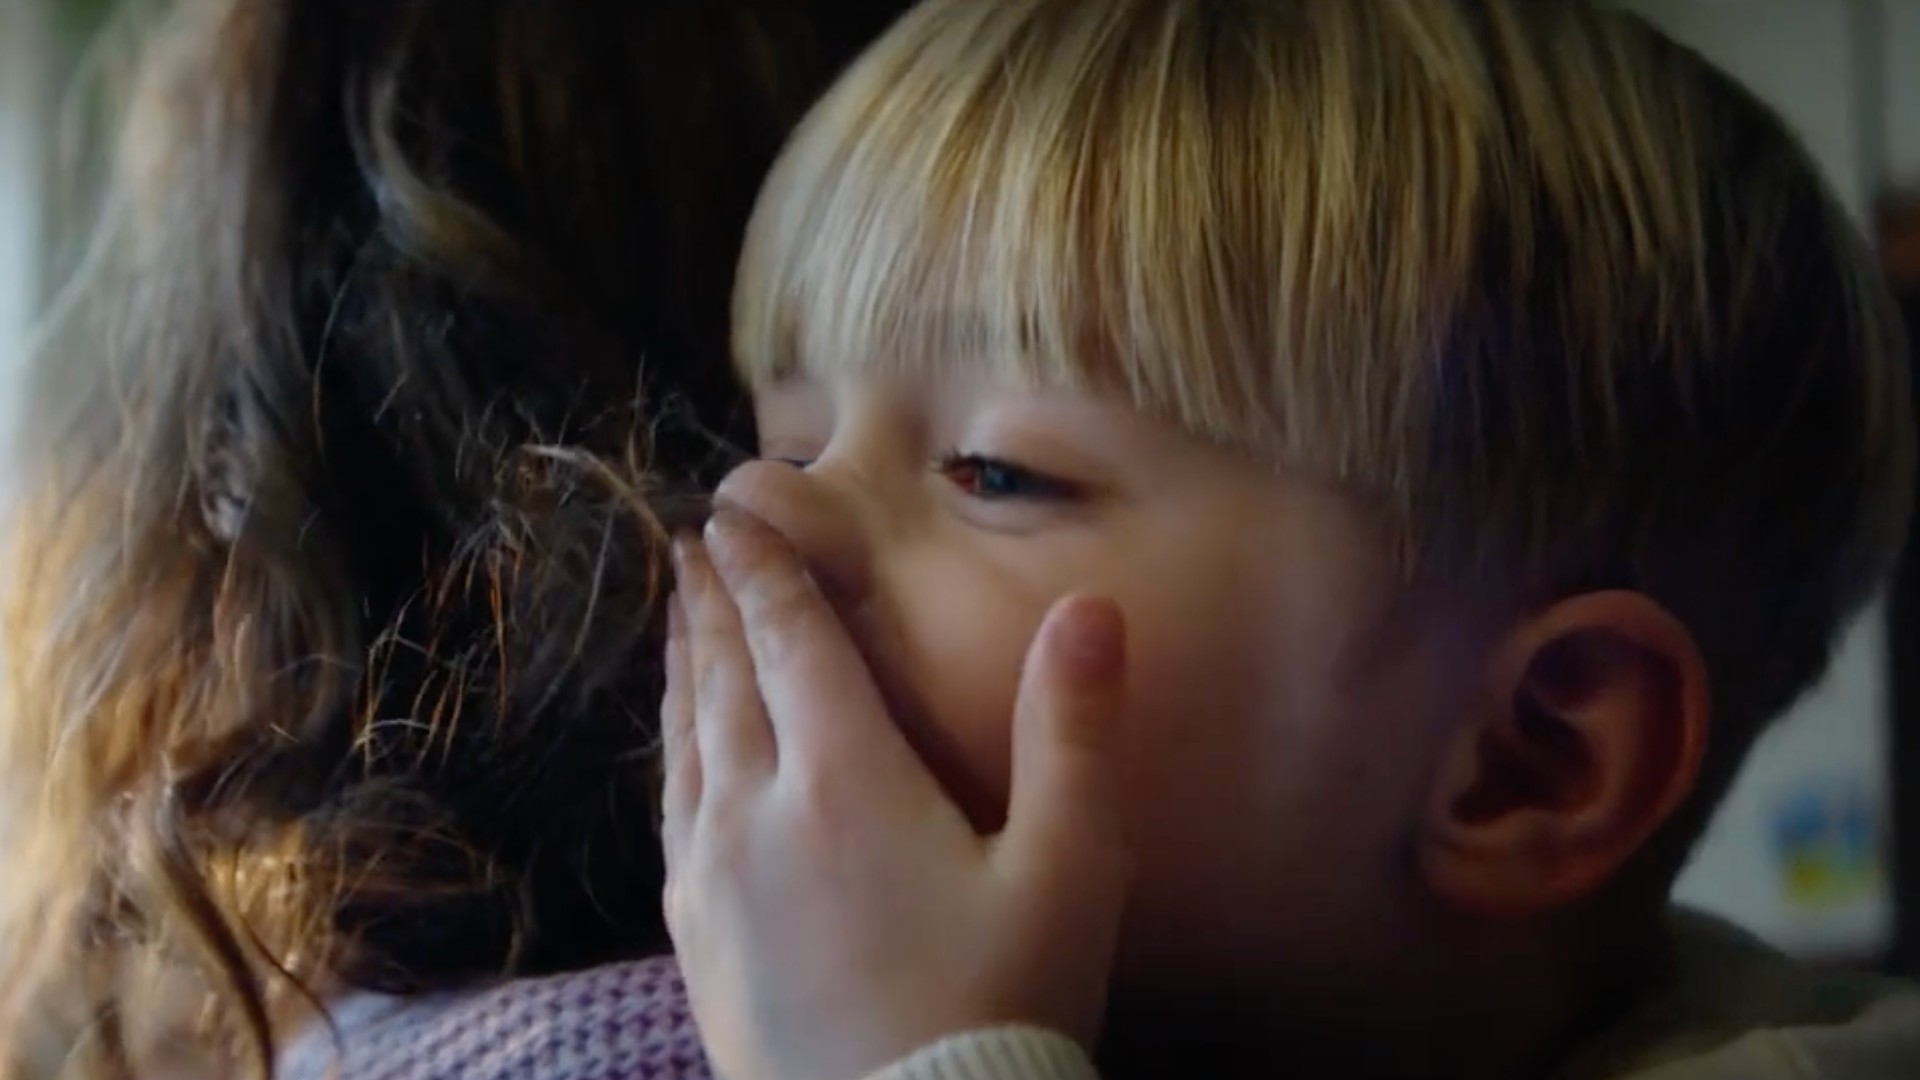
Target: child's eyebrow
{"type": "Point", "coordinates": [787, 368]}
{"type": "Point", "coordinates": [784, 376]}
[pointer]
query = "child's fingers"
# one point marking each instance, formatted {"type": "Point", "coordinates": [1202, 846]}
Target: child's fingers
{"type": "Point", "coordinates": [825, 710]}
{"type": "Point", "coordinates": [731, 732]}
{"type": "Point", "coordinates": [1064, 844]}
{"type": "Point", "coordinates": [1065, 811]}
{"type": "Point", "coordinates": [680, 753]}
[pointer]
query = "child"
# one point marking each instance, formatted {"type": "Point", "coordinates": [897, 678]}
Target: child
{"type": "Point", "coordinates": [1431, 439]}
{"type": "Point", "coordinates": [332, 643]}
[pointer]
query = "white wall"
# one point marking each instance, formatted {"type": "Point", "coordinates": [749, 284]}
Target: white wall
{"type": "Point", "coordinates": [23, 106]}
{"type": "Point", "coordinates": [1799, 55]}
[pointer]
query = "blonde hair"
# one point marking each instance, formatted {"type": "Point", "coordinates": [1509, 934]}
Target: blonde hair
{"type": "Point", "coordinates": [1565, 304]}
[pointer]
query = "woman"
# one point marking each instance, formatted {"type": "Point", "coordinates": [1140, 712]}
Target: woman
{"type": "Point", "coordinates": [332, 626]}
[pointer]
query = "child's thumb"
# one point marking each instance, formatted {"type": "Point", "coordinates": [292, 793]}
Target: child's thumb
{"type": "Point", "coordinates": [1065, 804]}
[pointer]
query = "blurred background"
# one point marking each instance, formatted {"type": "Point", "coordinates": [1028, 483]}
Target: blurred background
{"type": "Point", "coordinates": [1818, 849]}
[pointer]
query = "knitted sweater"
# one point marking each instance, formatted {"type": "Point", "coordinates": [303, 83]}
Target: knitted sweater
{"type": "Point", "coordinates": [625, 1021]}
{"type": "Point", "coordinates": [1719, 1006]}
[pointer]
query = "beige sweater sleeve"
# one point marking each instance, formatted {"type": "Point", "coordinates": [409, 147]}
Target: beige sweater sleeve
{"type": "Point", "coordinates": [1005, 1053]}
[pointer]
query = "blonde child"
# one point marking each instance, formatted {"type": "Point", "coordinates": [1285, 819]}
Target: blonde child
{"type": "Point", "coordinates": [1425, 444]}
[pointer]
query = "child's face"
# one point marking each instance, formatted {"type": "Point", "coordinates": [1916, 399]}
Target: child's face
{"type": "Point", "coordinates": [1281, 718]}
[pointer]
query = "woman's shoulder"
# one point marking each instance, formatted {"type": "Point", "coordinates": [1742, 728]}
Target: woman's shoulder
{"type": "Point", "coordinates": [623, 1021]}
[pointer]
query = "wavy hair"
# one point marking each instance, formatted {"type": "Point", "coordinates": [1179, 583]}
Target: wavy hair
{"type": "Point", "coordinates": [331, 622]}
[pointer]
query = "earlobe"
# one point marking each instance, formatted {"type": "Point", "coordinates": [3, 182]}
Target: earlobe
{"type": "Point", "coordinates": [1588, 736]}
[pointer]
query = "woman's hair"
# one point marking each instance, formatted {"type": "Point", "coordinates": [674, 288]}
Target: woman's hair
{"type": "Point", "coordinates": [331, 637]}
{"type": "Point", "coordinates": [1569, 308]}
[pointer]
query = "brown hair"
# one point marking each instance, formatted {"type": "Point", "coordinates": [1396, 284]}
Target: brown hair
{"type": "Point", "coordinates": [331, 621]}
{"type": "Point", "coordinates": [1562, 302]}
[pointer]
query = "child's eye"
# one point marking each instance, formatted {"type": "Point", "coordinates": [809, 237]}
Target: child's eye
{"type": "Point", "coordinates": [991, 478]}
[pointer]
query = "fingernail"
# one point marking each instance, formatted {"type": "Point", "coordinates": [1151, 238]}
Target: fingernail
{"type": "Point", "coordinates": [692, 573]}
{"type": "Point", "coordinates": [723, 533]}
{"type": "Point", "coordinates": [1092, 636]}
{"type": "Point", "coordinates": [676, 620]}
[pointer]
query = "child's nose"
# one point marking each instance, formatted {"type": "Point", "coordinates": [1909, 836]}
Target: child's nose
{"type": "Point", "coordinates": [816, 516]}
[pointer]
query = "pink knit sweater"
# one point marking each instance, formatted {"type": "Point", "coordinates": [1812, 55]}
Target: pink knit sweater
{"type": "Point", "coordinates": [1719, 1007]}
{"type": "Point", "coordinates": [626, 1021]}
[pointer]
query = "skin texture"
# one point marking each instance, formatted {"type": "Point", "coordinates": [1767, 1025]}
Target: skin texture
{"type": "Point", "coordinates": [1327, 800]}
{"type": "Point", "coordinates": [1255, 602]}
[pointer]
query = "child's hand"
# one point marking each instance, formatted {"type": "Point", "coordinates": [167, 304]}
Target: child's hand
{"type": "Point", "coordinates": [832, 909]}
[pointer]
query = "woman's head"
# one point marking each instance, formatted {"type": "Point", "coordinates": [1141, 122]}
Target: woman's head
{"type": "Point", "coordinates": [331, 617]}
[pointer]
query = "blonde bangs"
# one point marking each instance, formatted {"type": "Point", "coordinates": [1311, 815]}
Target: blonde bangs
{"type": "Point", "coordinates": [1475, 264]}
{"type": "Point", "coordinates": [1161, 198]}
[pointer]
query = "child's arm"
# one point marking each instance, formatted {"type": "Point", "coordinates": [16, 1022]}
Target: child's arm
{"type": "Point", "coordinates": [833, 910]}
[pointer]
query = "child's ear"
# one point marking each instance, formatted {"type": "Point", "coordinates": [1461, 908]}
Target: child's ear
{"type": "Point", "coordinates": [1589, 736]}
